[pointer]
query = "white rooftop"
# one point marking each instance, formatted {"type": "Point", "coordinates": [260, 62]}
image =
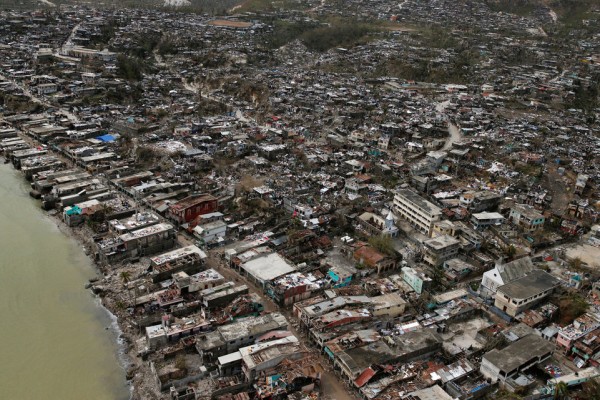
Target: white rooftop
{"type": "Point", "coordinates": [268, 267]}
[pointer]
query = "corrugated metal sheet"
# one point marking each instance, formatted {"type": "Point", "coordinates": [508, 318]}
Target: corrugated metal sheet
{"type": "Point", "coordinates": [364, 377]}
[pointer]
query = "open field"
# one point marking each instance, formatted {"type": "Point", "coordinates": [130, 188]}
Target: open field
{"type": "Point", "coordinates": [588, 254]}
{"type": "Point", "coordinates": [230, 24]}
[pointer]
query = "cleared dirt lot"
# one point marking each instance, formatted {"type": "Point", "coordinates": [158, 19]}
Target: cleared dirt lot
{"type": "Point", "coordinates": [588, 254]}
{"type": "Point", "coordinates": [230, 24]}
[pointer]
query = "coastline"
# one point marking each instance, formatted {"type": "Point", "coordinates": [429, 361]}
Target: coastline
{"type": "Point", "coordinates": [136, 374]}
{"type": "Point", "coordinates": [123, 355]}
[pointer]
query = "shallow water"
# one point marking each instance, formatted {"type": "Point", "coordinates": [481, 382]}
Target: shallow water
{"type": "Point", "coordinates": [53, 338]}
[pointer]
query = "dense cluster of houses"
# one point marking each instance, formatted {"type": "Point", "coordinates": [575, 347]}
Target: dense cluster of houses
{"type": "Point", "coordinates": [272, 223]}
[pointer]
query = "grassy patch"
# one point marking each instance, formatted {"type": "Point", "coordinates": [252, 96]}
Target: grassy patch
{"type": "Point", "coordinates": [270, 5]}
{"type": "Point", "coordinates": [571, 306]}
{"type": "Point", "coordinates": [437, 37]}
{"type": "Point", "coordinates": [457, 70]}
{"type": "Point", "coordinates": [287, 31]}
{"type": "Point", "coordinates": [521, 8]}
{"type": "Point", "coordinates": [572, 12]}
{"type": "Point", "coordinates": [130, 68]}
{"type": "Point", "coordinates": [338, 34]}
{"type": "Point", "coordinates": [321, 37]}
{"type": "Point", "coordinates": [528, 169]}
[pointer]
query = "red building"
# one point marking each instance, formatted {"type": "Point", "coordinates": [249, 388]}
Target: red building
{"type": "Point", "coordinates": [189, 208]}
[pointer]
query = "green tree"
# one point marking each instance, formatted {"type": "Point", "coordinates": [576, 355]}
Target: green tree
{"type": "Point", "coordinates": [130, 68]}
{"type": "Point", "coordinates": [494, 342]}
{"type": "Point", "coordinates": [437, 278]}
{"type": "Point", "coordinates": [575, 264]}
{"type": "Point", "coordinates": [383, 244]}
{"type": "Point", "coordinates": [294, 226]}
{"type": "Point", "coordinates": [337, 34]}
{"type": "Point", "coordinates": [572, 306]}
{"type": "Point", "coordinates": [511, 251]}
{"type": "Point", "coordinates": [590, 390]}
{"type": "Point", "coordinates": [180, 363]}
{"type": "Point", "coordinates": [561, 391]}
{"type": "Point", "coordinates": [167, 45]}
{"type": "Point", "coordinates": [125, 277]}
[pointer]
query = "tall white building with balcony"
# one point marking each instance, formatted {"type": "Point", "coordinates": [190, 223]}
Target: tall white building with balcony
{"type": "Point", "coordinates": [420, 213]}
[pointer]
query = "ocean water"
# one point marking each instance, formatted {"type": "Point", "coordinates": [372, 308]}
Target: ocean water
{"type": "Point", "coordinates": [56, 341]}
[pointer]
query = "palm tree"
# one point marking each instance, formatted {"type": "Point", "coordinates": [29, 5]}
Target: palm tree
{"type": "Point", "coordinates": [511, 251]}
{"type": "Point", "coordinates": [106, 211]}
{"type": "Point", "coordinates": [576, 264]}
{"type": "Point", "coordinates": [126, 278]}
{"type": "Point", "coordinates": [561, 391]}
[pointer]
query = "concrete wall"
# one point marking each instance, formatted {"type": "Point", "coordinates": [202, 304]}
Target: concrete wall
{"type": "Point", "coordinates": [489, 370]}
{"type": "Point", "coordinates": [413, 280]}
{"type": "Point", "coordinates": [514, 309]}
{"type": "Point", "coordinates": [392, 311]}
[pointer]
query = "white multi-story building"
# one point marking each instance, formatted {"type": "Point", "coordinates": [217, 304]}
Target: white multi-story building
{"type": "Point", "coordinates": [420, 213]}
{"type": "Point", "coordinates": [503, 274]}
{"type": "Point", "coordinates": [484, 219]}
{"type": "Point", "coordinates": [526, 217]}
{"type": "Point", "coordinates": [521, 294]}
{"type": "Point", "coordinates": [439, 249]}
{"type": "Point", "coordinates": [499, 365]}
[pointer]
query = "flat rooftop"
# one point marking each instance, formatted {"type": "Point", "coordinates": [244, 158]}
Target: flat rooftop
{"type": "Point", "coordinates": [326, 306]}
{"type": "Point", "coordinates": [206, 276]}
{"type": "Point", "coordinates": [360, 358]}
{"type": "Point", "coordinates": [296, 279]}
{"type": "Point", "coordinates": [527, 211]}
{"type": "Point", "coordinates": [98, 157]}
{"type": "Point", "coordinates": [75, 185]}
{"type": "Point", "coordinates": [252, 326]}
{"type": "Point", "coordinates": [387, 300]}
{"type": "Point", "coordinates": [419, 201]}
{"type": "Point", "coordinates": [451, 295]}
{"type": "Point", "coordinates": [210, 226]}
{"type": "Point", "coordinates": [227, 292]}
{"type": "Point", "coordinates": [339, 263]}
{"type": "Point", "coordinates": [441, 242]}
{"type": "Point", "coordinates": [263, 352]}
{"type": "Point", "coordinates": [144, 232]}
{"type": "Point", "coordinates": [488, 215]}
{"type": "Point", "coordinates": [135, 221]}
{"type": "Point", "coordinates": [268, 267]}
{"type": "Point", "coordinates": [177, 254]}
{"type": "Point", "coordinates": [519, 353]}
{"type": "Point", "coordinates": [537, 281]}
{"type": "Point", "coordinates": [586, 373]}
{"type": "Point", "coordinates": [415, 341]}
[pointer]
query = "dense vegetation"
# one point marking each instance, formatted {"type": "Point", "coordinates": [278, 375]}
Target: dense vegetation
{"type": "Point", "coordinates": [130, 68]}
{"type": "Point", "coordinates": [286, 31]}
{"type": "Point", "coordinates": [517, 7]}
{"type": "Point", "coordinates": [320, 36]}
{"type": "Point", "coordinates": [336, 35]}
{"type": "Point", "coordinates": [586, 95]}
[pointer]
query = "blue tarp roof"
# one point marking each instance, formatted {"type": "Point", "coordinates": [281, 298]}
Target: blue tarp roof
{"type": "Point", "coordinates": [106, 138]}
{"type": "Point", "coordinates": [73, 210]}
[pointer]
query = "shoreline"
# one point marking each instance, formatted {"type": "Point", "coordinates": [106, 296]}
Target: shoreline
{"type": "Point", "coordinates": [132, 366]}
{"type": "Point", "coordinates": [137, 376]}
{"type": "Point", "coordinates": [125, 359]}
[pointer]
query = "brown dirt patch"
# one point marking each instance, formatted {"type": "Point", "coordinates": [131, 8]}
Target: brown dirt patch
{"type": "Point", "coordinates": [230, 24]}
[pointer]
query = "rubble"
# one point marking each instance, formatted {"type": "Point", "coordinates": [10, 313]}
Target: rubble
{"type": "Point", "coordinates": [316, 200]}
